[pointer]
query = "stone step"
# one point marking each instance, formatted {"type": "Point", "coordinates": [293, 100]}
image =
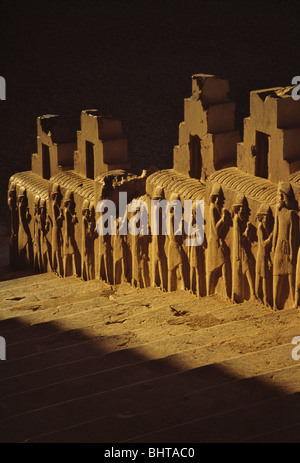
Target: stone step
{"type": "Point", "coordinates": [204, 416]}
{"type": "Point", "coordinates": [75, 382]}
{"type": "Point", "coordinates": [69, 331]}
{"type": "Point", "coordinates": [219, 388]}
{"type": "Point", "coordinates": [11, 278]}
{"type": "Point", "coordinates": [157, 307]}
{"type": "Point", "coordinates": [37, 287]}
{"type": "Point", "coordinates": [64, 347]}
{"type": "Point", "coordinates": [109, 313]}
{"type": "Point", "coordinates": [89, 298]}
{"type": "Point", "coordinates": [288, 434]}
{"type": "Point", "coordinates": [7, 274]}
{"type": "Point", "coordinates": [87, 361]}
{"type": "Point", "coordinates": [65, 291]}
{"type": "Point", "coordinates": [112, 304]}
{"type": "Point", "coordinates": [235, 425]}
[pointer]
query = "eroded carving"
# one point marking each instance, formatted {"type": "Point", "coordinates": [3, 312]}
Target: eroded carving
{"type": "Point", "coordinates": [263, 257]}
{"type": "Point", "coordinates": [284, 246]}
{"type": "Point", "coordinates": [216, 222]}
{"type": "Point", "coordinates": [241, 261]}
{"type": "Point", "coordinates": [14, 224]}
{"type": "Point", "coordinates": [56, 221]}
{"type": "Point", "coordinates": [24, 234]}
{"type": "Point", "coordinates": [69, 242]}
{"type": "Point", "coordinates": [89, 234]}
{"type": "Point", "coordinates": [251, 242]}
{"type": "Point", "coordinates": [176, 278]}
{"type": "Point", "coordinates": [119, 253]}
{"type": "Point", "coordinates": [37, 252]}
{"type": "Point", "coordinates": [158, 256]}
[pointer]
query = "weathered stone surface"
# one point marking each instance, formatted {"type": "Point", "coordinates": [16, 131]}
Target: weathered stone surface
{"type": "Point", "coordinates": [246, 253]}
{"type": "Point", "coordinates": [270, 148]}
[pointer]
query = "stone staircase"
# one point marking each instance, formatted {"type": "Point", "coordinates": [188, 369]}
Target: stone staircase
{"type": "Point", "coordinates": [88, 362]}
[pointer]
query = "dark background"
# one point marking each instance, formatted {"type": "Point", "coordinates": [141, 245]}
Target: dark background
{"type": "Point", "coordinates": [133, 60]}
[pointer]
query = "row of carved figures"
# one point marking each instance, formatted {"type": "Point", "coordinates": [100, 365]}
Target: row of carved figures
{"type": "Point", "coordinates": [50, 244]}
{"type": "Point", "coordinates": [274, 275]}
{"type": "Point", "coordinates": [165, 261]}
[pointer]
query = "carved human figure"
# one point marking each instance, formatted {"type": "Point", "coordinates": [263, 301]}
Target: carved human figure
{"type": "Point", "coordinates": [56, 222]}
{"type": "Point", "coordinates": [104, 254]}
{"type": "Point", "coordinates": [285, 246]}
{"type": "Point", "coordinates": [193, 256]}
{"type": "Point", "coordinates": [263, 259]}
{"type": "Point", "coordinates": [144, 242]}
{"type": "Point", "coordinates": [297, 287]}
{"type": "Point", "coordinates": [157, 245]}
{"type": "Point", "coordinates": [24, 235]}
{"type": "Point", "coordinates": [176, 278]}
{"type": "Point", "coordinates": [241, 249]}
{"type": "Point", "coordinates": [119, 253]}
{"type": "Point", "coordinates": [92, 235]}
{"type": "Point", "coordinates": [86, 242]}
{"type": "Point", "coordinates": [136, 263]}
{"type": "Point", "coordinates": [14, 224]}
{"type": "Point", "coordinates": [37, 227]}
{"type": "Point", "coordinates": [69, 243]}
{"type": "Point", "coordinates": [216, 222]}
{"type": "Point", "coordinates": [45, 244]}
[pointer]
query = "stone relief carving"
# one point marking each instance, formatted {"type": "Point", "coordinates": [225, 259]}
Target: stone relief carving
{"type": "Point", "coordinates": [69, 242]}
{"type": "Point", "coordinates": [37, 251]}
{"type": "Point", "coordinates": [284, 245]}
{"type": "Point", "coordinates": [120, 271]}
{"type": "Point", "coordinates": [45, 244]}
{"type": "Point", "coordinates": [194, 258]}
{"type": "Point", "coordinates": [158, 256]}
{"type": "Point", "coordinates": [297, 291]}
{"type": "Point", "coordinates": [89, 234]}
{"type": "Point", "coordinates": [241, 261]}
{"type": "Point", "coordinates": [216, 221]}
{"type": "Point", "coordinates": [24, 235]}
{"type": "Point", "coordinates": [56, 220]}
{"type": "Point", "coordinates": [251, 245]}
{"type": "Point", "coordinates": [176, 279]}
{"type": "Point", "coordinates": [263, 257]}
{"type": "Point", "coordinates": [14, 224]}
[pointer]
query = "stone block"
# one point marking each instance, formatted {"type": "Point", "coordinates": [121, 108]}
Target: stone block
{"type": "Point", "coordinates": [181, 159]}
{"type": "Point", "coordinates": [291, 144]}
{"type": "Point", "coordinates": [288, 113]}
{"type": "Point", "coordinates": [183, 134]}
{"type": "Point", "coordinates": [215, 119]}
{"type": "Point", "coordinates": [195, 117]}
{"type": "Point", "coordinates": [210, 89]}
{"type": "Point", "coordinates": [220, 118]}
{"type": "Point", "coordinates": [114, 151]}
{"type": "Point", "coordinates": [36, 164]}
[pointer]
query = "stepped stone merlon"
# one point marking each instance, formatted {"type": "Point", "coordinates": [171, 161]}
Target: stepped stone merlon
{"type": "Point", "coordinates": [101, 145]}
{"type": "Point", "coordinates": [210, 89]}
{"type": "Point", "coordinates": [55, 147]}
{"type": "Point", "coordinates": [271, 145]}
{"type": "Point", "coordinates": [207, 137]}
